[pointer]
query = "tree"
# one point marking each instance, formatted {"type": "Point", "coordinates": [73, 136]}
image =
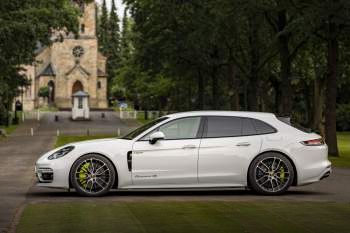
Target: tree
{"type": "Point", "coordinates": [329, 20]}
{"type": "Point", "coordinates": [287, 57]}
{"type": "Point", "coordinates": [125, 41]}
{"type": "Point", "coordinates": [113, 52]}
{"type": "Point", "coordinates": [103, 30]}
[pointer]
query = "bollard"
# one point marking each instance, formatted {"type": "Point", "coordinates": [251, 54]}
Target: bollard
{"type": "Point", "coordinates": [32, 132]}
{"type": "Point", "coordinates": [58, 133]}
{"type": "Point", "coordinates": [118, 132]}
{"type": "Point", "coordinates": [38, 115]}
{"type": "Point", "coordinates": [22, 116]}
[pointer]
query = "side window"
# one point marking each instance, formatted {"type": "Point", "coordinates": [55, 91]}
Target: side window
{"type": "Point", "coordinates": [248, 127]}
{"type": "Point", "coordinates": [224, 127]}
{"type": "Point", "coordinates": [262, 127]}
{"type": "Point", "coordinates": [185, 128]}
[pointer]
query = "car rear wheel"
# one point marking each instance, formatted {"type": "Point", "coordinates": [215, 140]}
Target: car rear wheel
{"type": "Point", "coordinates": [271, 174]}
{"type": "Point", "coordinates": [92, 175]}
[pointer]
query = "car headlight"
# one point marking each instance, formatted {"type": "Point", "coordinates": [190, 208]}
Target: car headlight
{"type": "Point", "coordinates": [60, 153]}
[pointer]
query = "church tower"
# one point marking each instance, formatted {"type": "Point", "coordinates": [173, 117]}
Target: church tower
{"type": "Point", "coordinates": [88, 19]}
{"type": "Point", "coordinates": [72, 65]}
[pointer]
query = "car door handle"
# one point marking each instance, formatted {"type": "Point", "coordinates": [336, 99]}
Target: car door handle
{"type": "Point", "coordinates": [189, 147]}
{"type": "Point", "coordinates": [243, 144]}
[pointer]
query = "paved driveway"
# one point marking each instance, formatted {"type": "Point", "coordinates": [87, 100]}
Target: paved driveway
{"type": "Point", "coordinates": [19, 152]}
{"type": "Point", "coordinates": [17, 156]}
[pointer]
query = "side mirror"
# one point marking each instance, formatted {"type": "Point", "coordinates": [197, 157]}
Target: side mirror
{"type": "Point", "coordinates": [153, 138]}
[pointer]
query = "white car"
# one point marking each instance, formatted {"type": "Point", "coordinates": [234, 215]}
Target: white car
{"type": "Point", "coordinates": [208, 149]}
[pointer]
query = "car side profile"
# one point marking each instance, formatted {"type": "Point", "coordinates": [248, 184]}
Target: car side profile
{"type": "Point", "coordinates": [205, 149]}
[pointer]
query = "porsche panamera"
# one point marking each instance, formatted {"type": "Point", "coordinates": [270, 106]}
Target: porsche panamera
{"type": "Point", "coordinates": [192, 150]}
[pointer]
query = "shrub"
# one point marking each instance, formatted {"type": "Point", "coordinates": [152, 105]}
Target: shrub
{"type": "Point", "coordinates": [343, 117]}
{"type": "Point", "coordinates": [44, 92]}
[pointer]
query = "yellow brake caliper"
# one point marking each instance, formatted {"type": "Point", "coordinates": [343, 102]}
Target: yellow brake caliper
{"type": "Point", "coordinates": [83, 173]}
{"type": "Point", "coordinates": [282, 174]}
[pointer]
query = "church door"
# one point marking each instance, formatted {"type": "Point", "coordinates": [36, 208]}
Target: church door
{"type": "Point", "coordinates": [77, 86]}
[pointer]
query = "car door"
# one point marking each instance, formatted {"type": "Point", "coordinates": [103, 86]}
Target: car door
{"type": "Point", "coordinates": [169, 162]}
{"type": "Point", "coordinates": [226, 150]}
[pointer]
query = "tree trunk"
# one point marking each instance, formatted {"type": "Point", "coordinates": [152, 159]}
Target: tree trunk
{"type": "Point", "coordinates": [200, 91]}
{"type": "Point", "coordinates": [234, 87]}
{"type": "Point", "coordinates": [253, 94]}
{"type": "Point", "coordinates": [215, 87]}
{"type": "Point", "coordinates": [331, 92]}
{"type": "Point", "coordinates": [283, 45]}
{"type": "Point", "coordinates": [318, 98]}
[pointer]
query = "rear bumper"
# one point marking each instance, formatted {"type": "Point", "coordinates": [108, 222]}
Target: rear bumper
{"type": "Point", "coordinates": [322, 173]}
{"type": "Point", "coordinates": [327, 173]}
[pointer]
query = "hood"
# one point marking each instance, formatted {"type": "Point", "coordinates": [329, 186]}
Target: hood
{"type": "Point", "coordinates": [103, 146]}
{"type": "Point", "coordinates": [101, 143]}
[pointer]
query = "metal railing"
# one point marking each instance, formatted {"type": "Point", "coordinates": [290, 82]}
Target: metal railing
{"type": "Point", "coordinates": [127, 114]}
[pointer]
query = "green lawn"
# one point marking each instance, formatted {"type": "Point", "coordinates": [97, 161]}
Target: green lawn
{"type": "Point", "coordinates": [141, 118]}
{"type": "Point", "coordinates": [63, 140]}
{"type": "Point", "coordinates": [182, 217]}
{"type": "Point", "coordinates": [344, 150]}
{"type": "Point", "coordinates": [48, 109]}
{"type": "Point", "coordinates": [9, 129]}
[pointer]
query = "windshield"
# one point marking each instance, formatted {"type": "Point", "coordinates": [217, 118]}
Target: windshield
{"type": "Point", "coordinates": [143, 128]}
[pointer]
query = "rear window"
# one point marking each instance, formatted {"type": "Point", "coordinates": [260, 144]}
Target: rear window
{"type": "Point", "coordinates": [224, 127]}
{"type": "Point", "coordinates": [262, 127]}
{"type": "Point", "coordinates": [288, 121]}
{"type": "Point", "coordinates": [235, 126]}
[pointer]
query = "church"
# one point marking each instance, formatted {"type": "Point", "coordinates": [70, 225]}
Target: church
{"type": "Point", "coordinates": [68, 66]}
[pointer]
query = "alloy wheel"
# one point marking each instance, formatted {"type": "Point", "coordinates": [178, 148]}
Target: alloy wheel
{"type": "Point", "coordinates": [272, 174]}
{"type": "Point", "coordinates": [93, 176]}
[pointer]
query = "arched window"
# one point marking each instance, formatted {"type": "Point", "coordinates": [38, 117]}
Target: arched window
{"type": "Point", "coordinates": [82, 28]}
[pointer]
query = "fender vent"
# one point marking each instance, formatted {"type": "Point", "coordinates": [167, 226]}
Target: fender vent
{"type": "Point", "coordinates": [129, 159]}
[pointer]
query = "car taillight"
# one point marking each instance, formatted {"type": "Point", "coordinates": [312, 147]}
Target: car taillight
{"type": "Point", "coordinates": [313, 142]}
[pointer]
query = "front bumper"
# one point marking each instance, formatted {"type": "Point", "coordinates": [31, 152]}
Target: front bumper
{"type": "Point", "coordinates": [44, 175]}
{"type": "Point", "coordinates": [54, 175]}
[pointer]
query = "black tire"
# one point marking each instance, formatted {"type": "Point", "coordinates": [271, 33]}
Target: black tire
{"type": "Point", "coordinates": [271, 174]}
{"type": "Point", "coordinates": [92, 175]}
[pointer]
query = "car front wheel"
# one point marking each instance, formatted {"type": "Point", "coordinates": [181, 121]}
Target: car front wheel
{"type": "Point", "coordinates": [271, 174]}
{"type": "Point", "coordinates": [92, 175]}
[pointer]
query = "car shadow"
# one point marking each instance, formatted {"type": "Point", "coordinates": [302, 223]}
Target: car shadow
{"type": "Point", "coordinates": [37, 194]}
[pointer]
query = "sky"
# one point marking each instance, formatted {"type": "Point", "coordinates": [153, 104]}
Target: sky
{"type": "Point", "coordinates": [119, 4]}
